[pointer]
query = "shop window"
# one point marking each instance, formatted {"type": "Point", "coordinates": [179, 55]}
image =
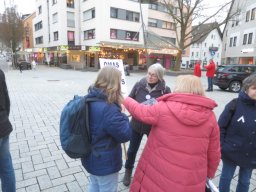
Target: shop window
{"type": "Point", "coordinates": [75, 58]}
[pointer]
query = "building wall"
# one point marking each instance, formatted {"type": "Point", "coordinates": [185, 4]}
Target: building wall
{"type": "Point", "coordinates": [28, 39]}
{"type": "Point", "coordinates": [237, 28]}
{"type": "Point", "coordinates": [201, 50]}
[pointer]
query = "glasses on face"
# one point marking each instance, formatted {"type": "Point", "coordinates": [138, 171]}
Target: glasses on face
{"type": "Point", "coordinates": [152, 75]}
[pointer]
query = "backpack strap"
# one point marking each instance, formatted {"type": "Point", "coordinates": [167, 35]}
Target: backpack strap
{"type": "Point", "coordinates": [232, 109]}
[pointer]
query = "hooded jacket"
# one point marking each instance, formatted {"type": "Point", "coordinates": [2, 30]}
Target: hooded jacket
{"type": "Point", "coordinates": [5, 125]}
{"type": "Point", "coordinates": [140, 92]}
{"type": "Point", "coordinates": [238, 133]}
{"type": "Point", "coordinates": [109, 127]}
{"type": "Point", "coordinates": [183, 147]}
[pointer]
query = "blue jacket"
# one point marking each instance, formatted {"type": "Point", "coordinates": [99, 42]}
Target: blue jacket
{"type": "Point", "coordinates": [238, 138]}
{"type": "Point", "coordinates": [109, 128]}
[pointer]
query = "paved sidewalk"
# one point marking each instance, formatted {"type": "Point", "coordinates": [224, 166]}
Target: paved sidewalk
{"type": "Point", "coordinates": [37, 98]}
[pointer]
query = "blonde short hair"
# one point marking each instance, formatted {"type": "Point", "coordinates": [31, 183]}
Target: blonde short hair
{"type": "Point", "coordinates": [158, 69]}
{"type": "Point", "coordinates": [189, 84]}
{"type": "Point", "coordinates": [109, 80]}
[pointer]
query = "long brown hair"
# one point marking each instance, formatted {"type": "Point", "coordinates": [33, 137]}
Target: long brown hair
{"type": "Point", "coordinates": [108, 80]}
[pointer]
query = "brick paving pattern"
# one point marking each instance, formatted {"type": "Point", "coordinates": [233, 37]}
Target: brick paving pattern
{"type": "Point", "coordinates": [37, 98]}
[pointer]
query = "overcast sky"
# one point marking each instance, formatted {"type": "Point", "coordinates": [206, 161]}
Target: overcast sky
{"type": "Point", "coordinates": [28, 6]}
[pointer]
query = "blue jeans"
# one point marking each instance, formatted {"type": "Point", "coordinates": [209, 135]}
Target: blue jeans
{"type": "Point", "coordinates": [227, 174]}
{"type": "Point", "coordinates": [107, 183]}
{"type": "Point", "coordinates": [210, 84]}
{"type": "Point", "coordinates": [133, 149]}
{"type": "Point", "coordinates": [6, 168]}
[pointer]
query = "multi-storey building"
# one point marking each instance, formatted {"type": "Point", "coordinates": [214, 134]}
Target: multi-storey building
{"type": "Point", "coordinates": [239, 34]}
{"type": "Point", "coordinates": [28, 40]}
{"type": "Point", "coordinates": [208, 47]}
{"type": "Point", "coordinates": [79, 32]}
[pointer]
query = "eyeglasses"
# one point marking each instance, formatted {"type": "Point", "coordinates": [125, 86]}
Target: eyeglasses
{"type": "Point", "coordinates": [152, 75]}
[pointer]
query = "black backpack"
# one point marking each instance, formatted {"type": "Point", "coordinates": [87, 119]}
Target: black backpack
{"type": "Point", "coordinates": [74, 127]}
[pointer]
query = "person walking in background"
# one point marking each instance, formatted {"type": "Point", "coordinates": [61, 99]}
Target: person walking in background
{"type": "Point", "coordinates": [210, 74]}
{"type": "Point", "coordinates": [149, 87]}
{"type": "Point", "coordinates": [109, 127]}
{"type": "Point", "coordinates": [7, 174]}
{"type": "Point", "coordinates": [197, 69]}
{"type": "Point", "coordinates": [34, 64]}
{"type": "Point", "coordinates": [183, 147]}
{"type": "Point", "coordinates": [237, 128]}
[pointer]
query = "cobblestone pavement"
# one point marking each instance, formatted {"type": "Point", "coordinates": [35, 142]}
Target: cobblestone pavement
{"type": "Point", "coordinates": [37, 98]}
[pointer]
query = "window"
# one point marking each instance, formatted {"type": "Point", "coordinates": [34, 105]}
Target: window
{"type": "Point", "coordinates": [54, 2]}
{"type": "Point", "coordinates": [245, 39]}
{"type": "Point", "coordinates": [89, 34]}
{"type": "Point", "coordinates": [132, 16]}
{"type": "Point", "coordinates": [234, 42]}
{"type": "Point", "coordinates": [55, 18]}
{"type": "Point", "coordinates": [204, 54]}
{"type": "Point", "coordinates": [89, 14]}
{"type": "Point", "coordinates": [253, 14]}
{"type": "Point", "coordinates": [56, 36]}
{"type": "Point", "coordinates": [38, 26]}
{"type": "Point", "coordinates": [205, 44]}
{"type": "Point", "coordinates": [113, 33]}
{"type": "Point", "coordinates": [167, 25]}
{"type": "Point", "coordinates": [250, 38]}
{"type": "Point", "coordinates": [113, 12]}
{"type": "Point", "coordinates": [153, 6]}
{"type": "Point", "coordinates": [70, 3]}
{"type": "Point", "coordinates": [230, 42]}
{"type": "Point", "coordinates": [152, 22]}
{"type": "Point", "coordinates": [70, 19]}
{"type": "Point", "coordinates": [247, 16]}
{"type": "Point", "coordinates": [71, 38]}
{"type": "Point", "coordinates": [39, 10]}
{"type": "Point", "coordinates": [39, 40]}
{"type": "Point", "coordinates": [192, 54]}
{"type": "Point", "coordinates": [196, 54]}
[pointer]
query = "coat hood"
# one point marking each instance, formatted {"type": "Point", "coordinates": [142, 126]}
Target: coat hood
{"type": "Point", "coordinates": [189, 109]}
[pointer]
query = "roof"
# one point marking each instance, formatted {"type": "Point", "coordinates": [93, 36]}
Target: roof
{"type": "Point", "coordinates": [199, 31]}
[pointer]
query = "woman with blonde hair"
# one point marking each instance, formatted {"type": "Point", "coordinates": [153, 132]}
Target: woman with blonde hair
{"type": "Point", "coordinates": [109, 127]}
{"type": "Point", "coordinates": [183, 147]}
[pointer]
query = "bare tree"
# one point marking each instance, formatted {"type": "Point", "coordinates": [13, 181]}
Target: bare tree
{"type": "Point", "coordinates": [11, 29]}
{"type": "Point", "coordinates": [183, 12]}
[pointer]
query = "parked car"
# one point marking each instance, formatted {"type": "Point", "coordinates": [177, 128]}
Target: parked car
{"type": "Point", "coordinates": [25, 65]}
{"type": "Point", "coordinates": [231, 76]}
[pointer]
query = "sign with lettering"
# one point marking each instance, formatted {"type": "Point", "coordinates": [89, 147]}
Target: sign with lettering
{"type": "Point", "coordinates": [118, 63]}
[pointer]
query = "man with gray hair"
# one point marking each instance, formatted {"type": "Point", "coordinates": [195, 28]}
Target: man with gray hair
{"type": "Point", "coordinates": [148, 88]}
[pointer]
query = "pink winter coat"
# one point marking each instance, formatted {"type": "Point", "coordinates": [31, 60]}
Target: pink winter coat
{"type": "Point", "coordinates": [183, 147]}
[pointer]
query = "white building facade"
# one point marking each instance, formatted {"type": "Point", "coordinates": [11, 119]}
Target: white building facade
{"type": "Point", "coordinates": [209, 47]}
{"type": "Point", "coordinates": [79, 32]}
{"type": "Point", "coordinates": [239, 36]}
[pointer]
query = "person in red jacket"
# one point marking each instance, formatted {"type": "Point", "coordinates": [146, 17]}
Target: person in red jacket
{"type": "Point", "coordinates": [210, 74]}
{"type": "Point", "coordinates": [178, 156]}
{"type": "Point", "coordinates": [197, 69]}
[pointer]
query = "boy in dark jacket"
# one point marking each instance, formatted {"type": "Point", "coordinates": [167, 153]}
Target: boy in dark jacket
{"type": "Point", "coordinates": [6, 168]}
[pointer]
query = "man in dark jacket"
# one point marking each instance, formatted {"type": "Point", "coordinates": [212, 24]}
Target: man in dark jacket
{"type": "Point", "coordinates": [6, 168]}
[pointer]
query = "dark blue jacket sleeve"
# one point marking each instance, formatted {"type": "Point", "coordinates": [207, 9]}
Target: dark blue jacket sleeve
{"type": "Point", "coordinates": [224, 121]}
{"type": "Point", "coordinates": [117, 124]}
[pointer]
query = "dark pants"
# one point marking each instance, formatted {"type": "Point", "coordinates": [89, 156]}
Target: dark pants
{"type": "Point", "coordinates": [227, 174]}
{"type": "Point", "coordinates": [133, 149]}
{"type": "Point", "coordinates": [210, 84]}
